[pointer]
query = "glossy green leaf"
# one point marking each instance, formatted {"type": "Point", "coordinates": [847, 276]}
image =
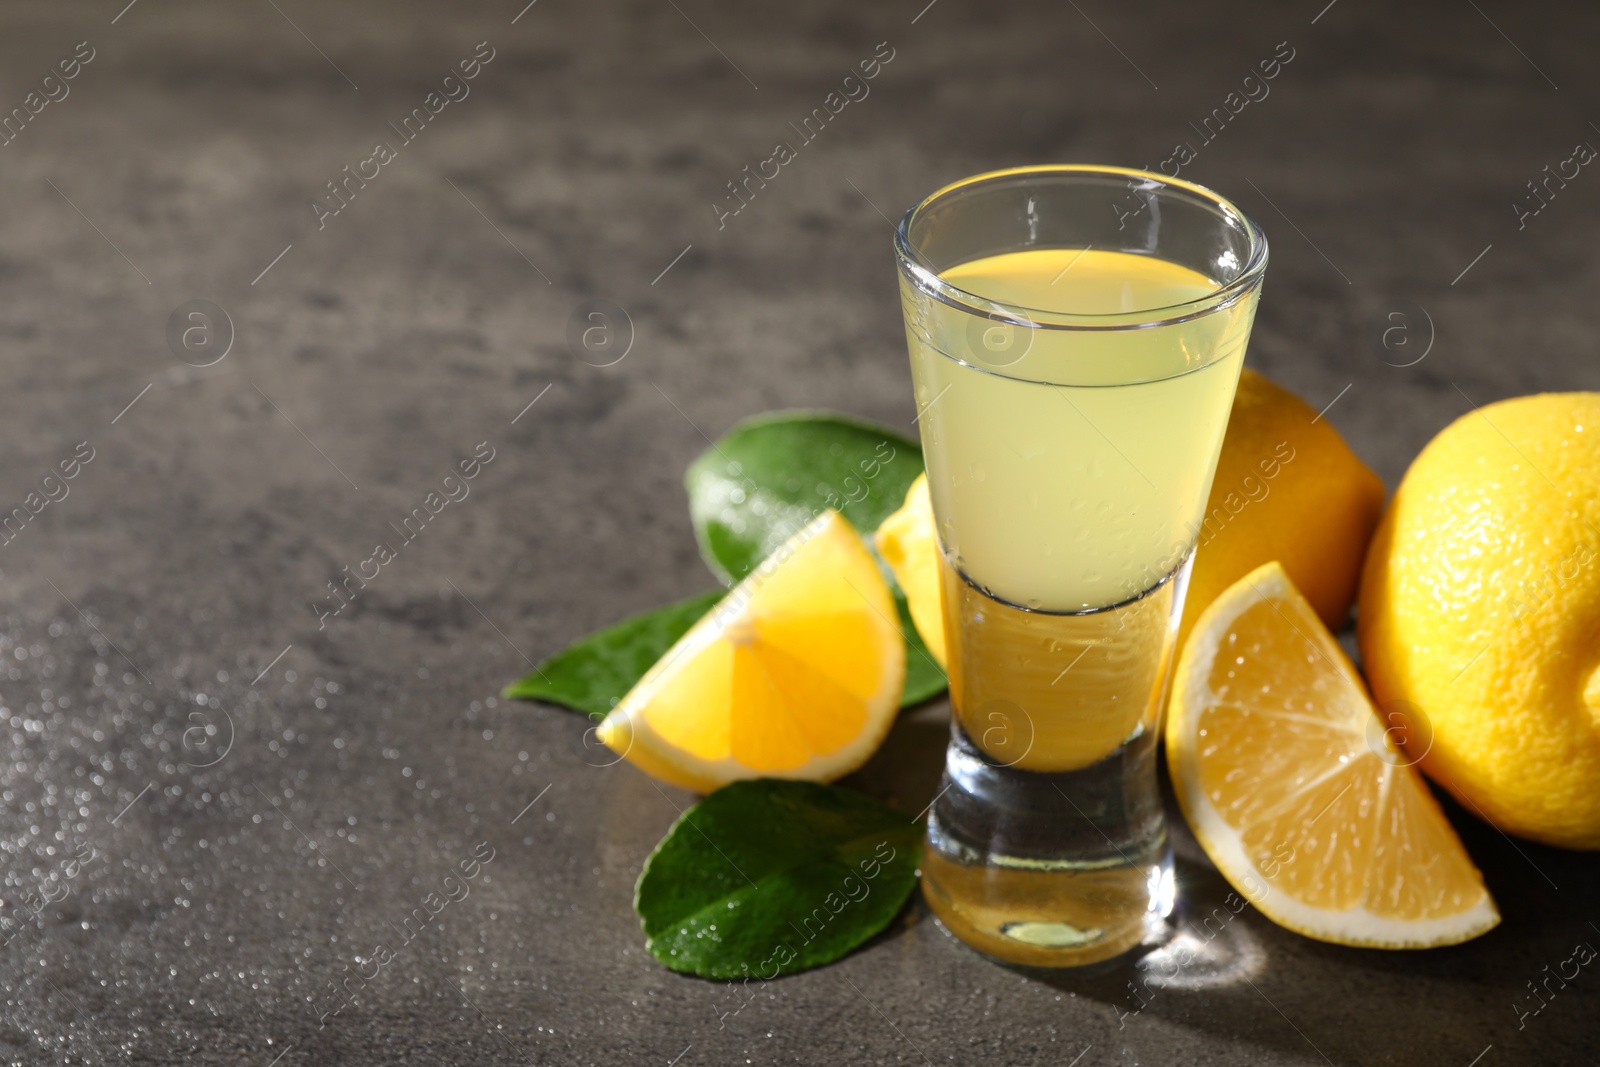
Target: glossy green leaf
{"type": "Point", "coordinates": [770, 475]}
{"type": "Point", "coordinates": [771, 877]}
{"type": "Point", "coordinates": [594, 673]}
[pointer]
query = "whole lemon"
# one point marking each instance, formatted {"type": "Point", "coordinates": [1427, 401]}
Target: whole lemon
{"type": "Point", "coordinates": [1287, 488]}
{"type": "Point", "coordinates": [1480, 614]}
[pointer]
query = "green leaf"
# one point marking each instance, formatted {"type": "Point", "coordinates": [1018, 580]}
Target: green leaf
{"type": "Point", "coordinates": [770, 475]}
{"type": "Point", "coordinates": [771, 877]}
{"type": "Point", "coordinates": [924, 679]}
{"type": "Point", "coordinates": [594, 673]}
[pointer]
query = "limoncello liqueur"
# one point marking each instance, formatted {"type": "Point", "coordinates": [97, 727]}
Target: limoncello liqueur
{"type": "Point", "coordinates": [1069, 471]}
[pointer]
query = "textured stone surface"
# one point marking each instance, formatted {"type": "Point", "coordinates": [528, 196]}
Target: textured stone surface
{"type": "Point", "coordinates": [370, 759]}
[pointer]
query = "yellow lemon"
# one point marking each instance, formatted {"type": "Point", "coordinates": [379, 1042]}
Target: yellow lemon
{"type": "Point", "coordinates": [907, 544]}
{"type": "Point", "coordinates": [1292, 786]}
{"type": "Point", "coordinates": [1480, 613]}
{"type": "Point", "coordinates": [1287, 488]}
{"type": "Point", "coordinates": [795, 674]}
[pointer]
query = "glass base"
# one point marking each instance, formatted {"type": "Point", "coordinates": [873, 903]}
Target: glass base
{"type": "Point", "coordinates": [1049, 869]}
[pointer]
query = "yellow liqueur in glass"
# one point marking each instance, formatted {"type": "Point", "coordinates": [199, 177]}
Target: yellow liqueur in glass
{"type": "Point", "coordinates": [1076, 335]}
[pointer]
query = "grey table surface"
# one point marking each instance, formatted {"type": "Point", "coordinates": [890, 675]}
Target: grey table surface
{"type": "Point", "coordinates": [350, 765]}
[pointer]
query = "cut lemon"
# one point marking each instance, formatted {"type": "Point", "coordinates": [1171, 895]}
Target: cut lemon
{"type": "Point", "coordinates": [796, 673]}
{"type": "Point", "coordinates": [907, 544]}
{"type": "Point", "coordinates": [1294, 789]}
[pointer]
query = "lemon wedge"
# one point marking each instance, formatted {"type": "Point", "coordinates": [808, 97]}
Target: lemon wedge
{"type": "Point", "coordinates": [1294, 789]}
{"type": "Point", "coordinates": [796, 673]}
{"type": "Point", "coordinates": [907, 543]}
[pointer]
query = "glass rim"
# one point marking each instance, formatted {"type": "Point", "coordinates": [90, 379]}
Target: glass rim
{"type": "Point", "coordinates": [923, 275]}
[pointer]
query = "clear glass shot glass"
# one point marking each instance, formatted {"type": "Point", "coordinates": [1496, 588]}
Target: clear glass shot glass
{"type": "Point", "coordinates": [1076, 336]}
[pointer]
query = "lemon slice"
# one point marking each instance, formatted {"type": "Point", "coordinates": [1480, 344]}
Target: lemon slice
{"type": "Point", "coordinates": [1294, 790]}
{"type": "Point", "coordinates": [907, 543]}
{"type": "Point", "coordinates": [796, 673]}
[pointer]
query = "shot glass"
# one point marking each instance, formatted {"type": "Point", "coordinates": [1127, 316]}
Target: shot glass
{"type": "Point", "coordinates": [1076, 335]}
